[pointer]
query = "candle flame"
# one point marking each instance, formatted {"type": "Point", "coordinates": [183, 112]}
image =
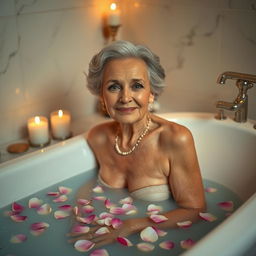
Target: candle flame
{"type": "Point", "coordinates": [60, 113]}
{"type": "Point", "coordinates": [113, 6]}
{"type": "Point", "coordinates": [37, 120]}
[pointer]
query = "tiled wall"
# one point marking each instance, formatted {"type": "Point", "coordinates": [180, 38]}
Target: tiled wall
{"type": "Point", "coordinates": [45, 46]}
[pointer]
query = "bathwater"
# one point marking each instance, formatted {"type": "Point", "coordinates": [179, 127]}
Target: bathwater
{"type": "Point", "coordinates": [53, 241]}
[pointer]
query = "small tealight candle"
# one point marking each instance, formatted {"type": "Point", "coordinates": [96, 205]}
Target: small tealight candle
{"type": "Point", "coordinates": [114, 15]}
{"type": "Point", "coordinates": [60, 124]}
{"type": "Point", "coordinates": [38, 131]}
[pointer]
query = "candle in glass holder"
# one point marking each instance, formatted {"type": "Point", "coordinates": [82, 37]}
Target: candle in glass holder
{"type": "Point", "coordinates": [114, 15]}
{"type": "Point", "coordinates": [60, 124]}
{"type": "Point", "coordinates": [38, 131]}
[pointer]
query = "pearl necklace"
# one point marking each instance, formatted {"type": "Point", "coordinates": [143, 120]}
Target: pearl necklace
{"type": "Point", "coordinates": [125, 153]}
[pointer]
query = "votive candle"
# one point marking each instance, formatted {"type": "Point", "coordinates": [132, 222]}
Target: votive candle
{"type": "Point", "coordinates": [60, 124]}
{"type": "Point", "coordinates": [114, 15]}
{"type": "Point", "coordinates": [38, 131]}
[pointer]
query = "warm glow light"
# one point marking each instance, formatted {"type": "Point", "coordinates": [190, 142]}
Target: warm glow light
{"type": "Point", "coordinates": [113, 6]}
{"type": "Point", "coordinates": [60, 113]}
{"type": "Point", "coordinates": [37, 120]}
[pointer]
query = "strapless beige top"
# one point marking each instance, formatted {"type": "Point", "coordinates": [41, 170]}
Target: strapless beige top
{"type": "Point", "coordinates": [151, 193]}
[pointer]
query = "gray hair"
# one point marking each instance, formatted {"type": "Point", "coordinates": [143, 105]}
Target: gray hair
{"type": "Point", "coordinates": [123, 49]}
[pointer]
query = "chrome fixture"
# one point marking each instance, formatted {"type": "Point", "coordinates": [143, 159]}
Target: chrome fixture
{"type": "Point", "coordinates": [240, 104]}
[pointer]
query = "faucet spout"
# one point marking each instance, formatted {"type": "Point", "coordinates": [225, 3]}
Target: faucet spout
{"type": "Point", "coordinates": [235, 76]}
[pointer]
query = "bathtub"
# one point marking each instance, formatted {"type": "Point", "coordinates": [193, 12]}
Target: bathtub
{"type": "Point", "coordinates": [226, 152]}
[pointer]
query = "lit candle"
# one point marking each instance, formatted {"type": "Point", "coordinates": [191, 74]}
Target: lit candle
{"type": "Point", "coordinates": [60, 124]}
{"type": "Point", "coordinates": [114, 15]}
{"type": "Point", "coordinates": [38, 130]}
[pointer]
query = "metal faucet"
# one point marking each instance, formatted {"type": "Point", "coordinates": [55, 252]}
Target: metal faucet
{"type": "Point", "coordinates": [240, 104]}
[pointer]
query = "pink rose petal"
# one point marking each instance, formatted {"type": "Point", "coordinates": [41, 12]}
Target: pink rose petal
{"type": "Point", "coordinates": [210, 190]}
{"type": "Point", "coordinates": [34, 203]}
{"type": "Point", "coordinates": [55, 194]}
{"type": "Point", "coordinates": [65, 207]}
{"type": "Point", "coordinates": [117, 210]}
{"type": "Point", "coordinates": [108, 221]}
{"type": "Point", "coordinates": [38, 228]}
{"type": "Point", "coordinates": [98, 189]}
{"type": "Point", "coordinates": [83, 201]}
{"type": "Point", "coordinates": [87, 209]}
{"type": "Point", "coordinates": [18, 218]}
{"type": "Point", "coordinates": [154, 208]}
{"type": "Point", "coordinates": [65, 190]}
{"type": "Point", "coordinates": [76, 210]}
{"type": "Point", "coordinates": [129, 209]}
{"type": "Point", "coordinates": [99, 198]}
{"type": "Point", "coordinates": [109, 204]}
{"type": "Point", "coordinates": [207, 216]}
{"type": "Point", "coordinates": [87, 220]}
{"type": "Point", "coordinates": [116, 223]}
{"type": "Point", "coordinates": [158, 218]}
{"type": "Point", "coordinates": [59, 215]}
{"type": "Point", "coordinates": [44, 209]}
{"type": "Point", "coordinates": [124, 241]}
{"type": "Point", "coordinates": [104, 215]}
{"type": "Point", "coordinates": [160, 232]}
{"type": "Point", "coordinates": [167, 245]}
{"type": "Point", "coordinates": [60, 199]}
{"type": "Point", "coordinates": [102, 231]}
{"type": "Point", "coordinates": [186, 244]}
{"type": "Point", "coordinates": [79, 229]}
{"type": "Point", "coordinates": [145, 247]}
{"type": "Point", "coordinates": [184, 224]}
{"type": "Point", "coordinates": [17, 208]}
{"type": "Point", "coordinates": [83, 245]}
{"type": "Point", "coordinates": [227, 206]}
{"type": "Point", "coordinates": [99, 252]}
{"type": "Point", "coordinates": [19, 238]}
{"type": "Point", "coordinates": [148, 234]}
{"type": "Point", "coordinates": [126, 200]}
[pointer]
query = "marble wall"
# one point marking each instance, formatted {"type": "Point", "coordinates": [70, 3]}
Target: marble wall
{"type": "Point", "coordinates": [45, 47]}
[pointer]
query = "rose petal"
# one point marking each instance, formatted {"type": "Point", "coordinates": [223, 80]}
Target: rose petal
{"type": "Point", "coordinates": [34, 203]}
{"type": "Point", "coordinates": [116, 223]}
{"type": "Point", "coordinates": [83, 201]}
{"type": "Point", "coordinates": [117, 210]}
{"type": "Point", "coordinates": [124, 241]}
{"type": "Point", "coordinates": [79, 229]}
{"type": "Point", "coordinates": [53, 194]}
{"type": "Point", "coordinates": [108, 221]}
{"type": "Point", "coordinates": [44, 209]}
{"type": "Point", "coordinates": [158, 218]}
{"type": "Point", "coordinates": [145, 247]}
{"type": "Point", "coordinates": [83, 245]}
{"type": "Point", "coordinates": [61, 215]}
{"type": "Point", "coordinates": [38, 228]}
{"type": "Point", "coordinates": [227, 206]}
{"type": "Point", "coordinates": [18, 218]}
{"type": "Point", "coordinates": [60, 199]}
{"type": "Point", "coordinates": [160, 232]}
{"type": "Point", "coordinates": [102, 231]}
{"type": "Point", "coordinates": [99, 198]}
{"type": "Point", "coordinates": [65, 207]}
{"type": "Point", "coordinates": [126, 200]}
{"type": "Point", "coordinates": [167, 245]}
{"type": "Point", "coordinates": [207, 216]}
{"type": "Point", "coordinates": [87, 220]}
{"type": "Point", "coordinates": [98, 189]}
{"type": "Point", "coordinates": [109, 204]}
{"type": "Point", "coordinates": [210, 190]}
{"type": "Point", "coordinates": [17, 208]}
{"type": "Point", "coordinates": [19, 238]}
{"type": "Point", "coordinates": [129, 209]}
{"type": "Point", "coordinates": [75, 210]}
{"type": "Point", "coordinates": [87, 209]}
{"type": "Point", "coordinates": [104, 215]}
{"type": "Point", "coordinates": [184, 224]}
{"type": "Point", "coordinates": [65, 190]}
{"type": "Point", "coordinates": [186, 244]}
{"type": "Point", "coordinates": [154, 208]}
{"type": "Point", "coordinates": [148, 234]}
{"type": "Point", "coordinates": [100, 252]}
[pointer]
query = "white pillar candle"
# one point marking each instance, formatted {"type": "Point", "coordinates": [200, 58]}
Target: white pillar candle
{"type": "Point", "coordinates": [114, 15]}
{"type": "Point", "coordinates": [38, 130]}
{"type": "Point", "coordinates": [60, 124]}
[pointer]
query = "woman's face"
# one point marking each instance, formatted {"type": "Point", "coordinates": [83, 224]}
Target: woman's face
{"type": "Point", "coordinates": [126, 89]}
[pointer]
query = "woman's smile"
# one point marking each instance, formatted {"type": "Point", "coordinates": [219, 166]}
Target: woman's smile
{"type": "Point", "coordinates": [126, 110]}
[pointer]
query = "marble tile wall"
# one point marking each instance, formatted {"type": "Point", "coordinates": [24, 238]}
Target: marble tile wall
{"type": "Point", "coordinates": [46, 45]}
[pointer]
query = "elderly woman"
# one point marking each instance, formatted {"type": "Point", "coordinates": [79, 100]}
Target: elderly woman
{"type": "Point", "coordinates": [151, 157]}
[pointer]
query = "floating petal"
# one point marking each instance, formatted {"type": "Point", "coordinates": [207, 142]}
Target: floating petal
{"type": "Point", "coordinates": [83, 245]}
{"type": "Point", "coordinates": [98, 189]}
{"type": "Point", "coordinates": [210, 190]}
{"type": "Point", "coordinates": [83, 201]}
{"type": "Point", "coordinates": [104, 215]}
{"type": "Point", "coordinates": [75, 210]}
{"type": "Point", "coordinates": [99, 252]}
{"type": "Point", "coordinates": [18, 218]}
{"type": "Point", "coordinates": [116, 223]}
{"type": "Point", "coordinates": [87, 209]}
{"type": "Point", "coordinates": [18, 239]}
{"type": "Point", "coordinates": [109, 204]}
{"type": "Point", "coordinates": [53, 194]}
{"type": "Point", "coordinates": [160, 232]}
{"type": "Point", "coordinates": [207, 216]}
{"type": "Point", "coordinates": [79, 229]}
{"type": "Point", "coordinates": [154, 208]}
{"type": "Point", "coordinates": [38, 228]}
{"type": "Point", "coordinates": [124, 241]}
{"type": "Point", "coordinates": [102, 231]}
{"type": "Point", "coordinates": [184, 224]}
{"type": "Point", "coordinates": [167, 245]}
{"type": "Point", "coordinates": [61, 215]}
{"type": "Point", "coordinates": [117, 210]}
{"type": "Point", "coordinates": [126, 200]}
{"type": "Point", "coordinates": [145, 247]}
{"type": "Point", "coordinates": [227, 206]}
{"type": "Point", "coordinates": [108, 221]}
{"type": "Point", "coordinates": [186, 244]}
{"type": "Point", "coordinates": [87, 220]}
{"type": "Point", "coordinates": [148, 234]}
{"type": "Point", "coordinates": [34, 203]}
{"type": "Point", "coordinates": [65, 207]}
{"type": "Point", "coordinates": [44, 209]}
{"type": "Point", "coordinates": [129, 209]}
{"type": "Point", "coordinates": [158, 218]}
{"type": "Point", "coordinates": [60, 199]}
{"type": "Point", "coordinates": [17, 208]}
{"type": "Point", "coordinates": [65, 190]}
{"type": "Point", "coordinates": [99, 198]}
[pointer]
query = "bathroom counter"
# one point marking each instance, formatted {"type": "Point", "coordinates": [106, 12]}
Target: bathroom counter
{"type": "Point", "coordinates": [78, 126]}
